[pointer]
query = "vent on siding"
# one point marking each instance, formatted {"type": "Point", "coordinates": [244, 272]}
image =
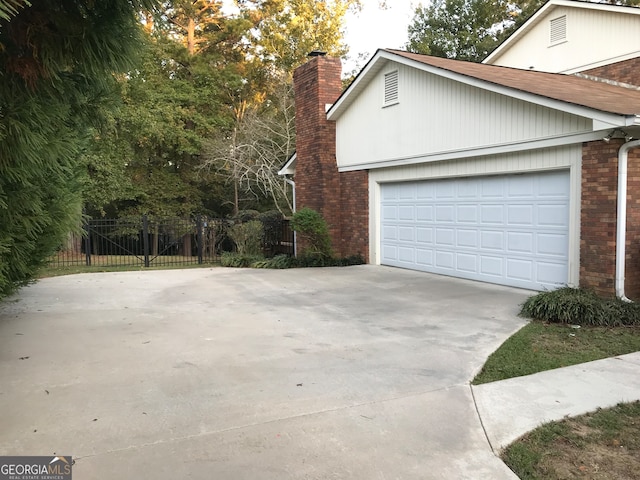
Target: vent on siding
{"type": "Point", "coordinates": [558, 30]}
{"type": "Point", "coordinates": [391, 88]}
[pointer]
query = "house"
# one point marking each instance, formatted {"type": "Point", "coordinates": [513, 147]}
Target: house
{"type": "Point", "coordinates": [569, 36]}
{"type": "Point", "coordinates": [478, 171]}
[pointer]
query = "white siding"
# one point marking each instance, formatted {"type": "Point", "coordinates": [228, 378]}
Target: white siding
{"type": "Point", "coordinates": [559, 158]}
{"type": "Point", "coordinates": [437, 115]}
{"type": "Point", "coordinates": [593, 38]}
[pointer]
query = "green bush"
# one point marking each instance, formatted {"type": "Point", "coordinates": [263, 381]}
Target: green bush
{"type": "Point", "coordinates": [284, 261]}
{"type": "Point", "coordinates": [580, 307]}
{"type": "Point", "coordinates": [247, 237]}
{"type": "Point", "coordinates": [279, 261]}
{"type": "Point", "coordinates": [237, 260]}
{"type": "Point", "coordinates": [312, 229]}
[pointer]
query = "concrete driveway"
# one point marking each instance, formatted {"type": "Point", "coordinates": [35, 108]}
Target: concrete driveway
{"type": "Point", "coordinates": [345, 373]}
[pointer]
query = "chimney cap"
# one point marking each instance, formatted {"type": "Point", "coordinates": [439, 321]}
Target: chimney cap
{"type": "Point", "coordinates": [316, 53]}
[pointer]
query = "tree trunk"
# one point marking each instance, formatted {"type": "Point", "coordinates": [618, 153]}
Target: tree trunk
{"type": "Point", "coordinates": [191, 36]}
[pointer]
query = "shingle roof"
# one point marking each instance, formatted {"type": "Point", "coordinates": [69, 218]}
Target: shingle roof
{"type": "Point", "coordinates": [565, 88]}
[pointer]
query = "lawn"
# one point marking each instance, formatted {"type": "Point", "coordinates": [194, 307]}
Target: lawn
{"type": "Point", "coordinates": [540, 346]}
{"type": "Point", "coordinates": [55, 271]}
{"type": "Point", "coordinates": [603, 445]}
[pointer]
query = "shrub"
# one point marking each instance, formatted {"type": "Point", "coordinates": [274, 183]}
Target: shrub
{"type": "Point", "coordinates": [247, 237]}
{"type": "Point", "coordinates": [279, 261]}
{"type": "Point", "coordinates": [580, 307]}
{"type": "Point", "coordinates": [312, 229]}
{"type": "Point", "coordinates": [237, 260]}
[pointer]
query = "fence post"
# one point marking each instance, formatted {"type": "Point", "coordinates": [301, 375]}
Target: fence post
{"type": "Point", "coordinates": [199, 238]}
{"type": "Point", "coordinates": [145, 239]}
{"type": "Point", "coordinates": [87, 244]}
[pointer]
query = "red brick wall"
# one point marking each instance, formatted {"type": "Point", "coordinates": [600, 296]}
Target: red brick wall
{"type": "Point", "coordinates": [341, 198]}
{"type": "Point", "coordinates": [599, 219]}
{"type": "Point", "coordinates": [627, 71]}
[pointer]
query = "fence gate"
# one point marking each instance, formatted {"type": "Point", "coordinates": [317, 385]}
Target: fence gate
{"type": "Point", "coordinates": [161, 241]}
{"type": "Point", "coordinates": [143, 241]}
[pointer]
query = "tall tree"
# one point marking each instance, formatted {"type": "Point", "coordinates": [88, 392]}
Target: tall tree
{"type": "Point", "coordinates": [287, 30]}
{"type": "Point", "coordinates": [461, 29]}
{"type": "Point", "coordinates": [57, 61]}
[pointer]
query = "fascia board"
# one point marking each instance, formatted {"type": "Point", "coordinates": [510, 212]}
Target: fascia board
{"type": "Point", "coordinates": [289, 168]}
{"type": "Point", "coordinates": [373, 66]}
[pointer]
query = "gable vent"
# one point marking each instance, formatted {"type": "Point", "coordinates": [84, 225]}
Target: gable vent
{"type": "Point", "coordinates": [558, 29]}
{"type": "Point", "coordinates": [391, 88]}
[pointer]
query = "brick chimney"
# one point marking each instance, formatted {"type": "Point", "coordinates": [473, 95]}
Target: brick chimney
{"type": "Point", "coordinates": [341, 198]}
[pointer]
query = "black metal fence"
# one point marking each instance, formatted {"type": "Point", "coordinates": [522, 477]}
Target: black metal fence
{"type": "Point", "coordinates": [151, 241]}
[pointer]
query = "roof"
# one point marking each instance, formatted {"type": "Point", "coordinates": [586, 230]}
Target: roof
{"type": "Point", "coordinates": [289, 168]}
{"type": "Point", "coordinates": [545, 10]}
{"type": "Point", "coordinates": [533, 86]}
{"type": "Point", "coordinates": [566, 88]}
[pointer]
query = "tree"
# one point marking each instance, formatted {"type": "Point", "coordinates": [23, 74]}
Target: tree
{"type": "Point", "coordinates": [460, 29]}
{"type": "Point", "coordinates": [53, 87]}
{"type": "Point", "coordinates": [287, 30]}
{"type": "Point", "coordinates": [262, 140]}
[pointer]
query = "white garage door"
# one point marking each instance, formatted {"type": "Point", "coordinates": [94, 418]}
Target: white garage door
{"type": "Point", "coordinates": [507, 229]}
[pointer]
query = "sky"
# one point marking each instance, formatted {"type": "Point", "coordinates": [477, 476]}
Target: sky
{"type": "Point", "coordinates": [373, 28]}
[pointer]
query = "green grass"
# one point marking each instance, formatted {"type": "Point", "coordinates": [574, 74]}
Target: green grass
{"type": "Point", "coordinates": [600, 445]}
{"type": "Point", "coordinates": [540, 346]}
{"type": "Point", "coordinates": [56, 271]}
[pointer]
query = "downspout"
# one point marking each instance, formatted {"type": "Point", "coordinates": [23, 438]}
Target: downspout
{"type": "Point", "coordinates": [293, 187]}
{"type": "Point", "coordinates": [621, 233]}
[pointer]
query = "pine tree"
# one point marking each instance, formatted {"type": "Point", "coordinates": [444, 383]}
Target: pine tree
{"type": "Point", "coordinates": [57, 60]}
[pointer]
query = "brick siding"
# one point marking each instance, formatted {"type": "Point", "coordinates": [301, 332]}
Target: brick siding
{"type": "Point", "coordinates": [599, 219]}
{"type": "Point", "coordinates": [627, 71]}
{"type": "Point", "coordinates": [341, 198]}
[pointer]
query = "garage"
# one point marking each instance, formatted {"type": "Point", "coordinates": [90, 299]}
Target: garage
{"type": "Point", "coordinates": [505, 229]}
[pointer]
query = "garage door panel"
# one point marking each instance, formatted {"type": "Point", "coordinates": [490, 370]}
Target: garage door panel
{"type": "Point", "coordinates": [492, 240]}
{"type": "Point", "coordinates": [406, 234]}
{"type": "Point", "coordinates": [467, 188]}
{"type": "Point", "coordinates": [492, 214]}
{"type": "Point", "coordinates": [445, 213]}
{"type": "Point", "coordinates": [406, 213]}
{"type": "Point", "coordinates": [390, 233]}
{"type": "Point", "coordinates": [510, 229]}
{"type": "Point", "coordinates": [491, 266]}
{"type": "Point", "coordinates": [424, 258]}
{"type": "Point", "coordinates": [406, 255]}
{"type": "Point", "coordinates": [467, 238]}
{"type": "Point", "coordinates": [389, 213]}
{"type": "Point", "coordinates": [551, 273]}
{"type": "Point", "coordinates": [520, 242]}
{"type": "Point", "coordinates": [467, 214]}
{"type": "Point", "coordinates": [521, 215]}
{"type": "Point", "coordinates": [553, 244]}
{"type": "Point", "coordinates": [445, 259]}
{"type": "Point", "coordinates": [424, 213]}
{"type": "Point", "coordinates": [467, 263]}
{"type": "Point", "coordinates": [424, 235]}
{"type": "Point", "coordinates": [493, 187]}
{"type": "Point", "coordinates": [554, 186]}
{"type": "Point", "coordinates": [554, 215]}
{"type": "Point", "coordinates": [445, 237]}
{"type": "Point", "coordinates": [426, 191]}
{"type": "Point", "coordinates": [520, 269]}
{"type": "Point", "coordinates": [445, 189]}
{"type": "Point", "coordinates": [521, 186]}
